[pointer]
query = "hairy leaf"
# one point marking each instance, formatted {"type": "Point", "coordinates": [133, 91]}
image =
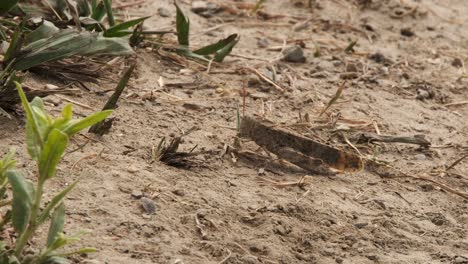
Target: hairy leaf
{"type": "Point", "coordinates": [54, 202]}
{"type": "Point", "coordinates": [76, 126]}
{"type": "Point", "coordinates": [57, 223]}
{"type": "Point", "coordinates": [51, 154]}
{"type": "Point", "coordinates": [23, 193]}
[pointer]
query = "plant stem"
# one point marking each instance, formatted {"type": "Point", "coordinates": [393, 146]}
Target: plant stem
{"type": "Point", "coordinates": [110, 14]}
{"type": "Point", "coordinates": [32, 226]}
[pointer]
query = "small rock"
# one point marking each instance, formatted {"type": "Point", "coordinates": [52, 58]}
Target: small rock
{"type": "Point", "coordinates": [372, 257]}
{"type": "Point", "coordinates": [164, 12]}
{"type": "Point", "coordinates": [349, 75]}
{"type": "Point", "coordinates": [380, 58]}
{"type": "Point", "coordinates": [204, 8]}
{"type": "Point", "coordinates": [458, 63]}
{"type": "Point", "coordinates": [339, 260]}
{"type": "Point", "coordinates": [260, 95]}
{"type": "Point", "coordinates": [263, 43]}
{"type": "Point", "coordinates": [248, 259]}
{"type": "Point", "coordinates": [360, 225]}
{"type": "Point", "coordinates": [261, 171]}
{"type": "Point", "coordinates": [420, 157]}
{"type": "Point", "coordinates": [460, 260]}
{"type": "Point", "coordinates": [407, 32]}
{"type": "Point", "coordinates": [439, 220]}
{"type": "Point", "coordinates": [137, 194]}
{"type": "Point", "coordinates": [294, 54]}
{"type": "Point", "coordinates": [91, 261]}
{"type": "Point", "coordinates": [253, 81]}
{"type": "Point", "coordinates": [423, 94]}
{"type": "Point", "coordinates": [51, 87]}
{"type": "Point", "coordinates": [319, 75]}
{"type": "Point", "coordinates": [147, 231]}
{"type": "Point", "coordinates": [179, 192]}
{"type": "Point", "coordinates": [148, 205]}
{"type": "Point", "coordinates": [132, 169]}
{"type": "Point", "coordinates": [199, 6]}
{"type": "Point", "coordinates": [351, 67]}
{"type": "Point", "coordinates": [281, 230]}
{"type": "Point", "coordinates": [187, 72]}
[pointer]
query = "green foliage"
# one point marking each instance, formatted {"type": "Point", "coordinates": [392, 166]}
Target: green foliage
{"type": "Point", "coordinates": [7, 5]}
{"type": "Point", "coordinates": [47, 139]}
{"type": "Point", "coordinates": [63, 44]}
{"type": "Point", "coordinates": [100, 128]}
{"type": "Point", "coordinates": [219, 49]}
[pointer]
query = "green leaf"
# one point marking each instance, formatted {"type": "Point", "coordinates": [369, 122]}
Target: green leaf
{"type": "Point", "coordinates": [98, 10]}
{"type": "Point", "coordinates": [78, 125]}
{"type": "Point", "coordinates": [57, 223]}
{"type": "Point", "coordinates": [51, 154]}
{"type": "Point", "coordinates": [46, 30]}
{"type": "Point", "coordinates": [15, 45]}
{"type": "Point", "coordinates": [83, 7]}
{"type": "Point", "coordinates": [67, 112]}
{"type": "Point", "coordinates": [33, 137]}
{"type": "Point", "coordinates": [54, 202]}
{"type": "Point", "coordinates": [7, 5]}
{"type": "Point", "coordinates": [213, 48]}
{"type": "Point", "coordinates": [110, 14]}
{"type": "Point", "coordinates": [67, 43]}
{"type": "Point", "coordinates": [112, 102]}
{"type": "Point", "coordinates": [80, 251]}
{"type": "Point", "coordinates": [221, 54]}
{"type": "Point", "coordinates": [56, 260]}
{"type": "Point", "coordinates": [61, 241]}
{"type": "Point", "coordinates": [123, 27]}
{"type": "Point", "coordinates": [23, 193]}
{"type": "Point", "coordinates": [183, 27]}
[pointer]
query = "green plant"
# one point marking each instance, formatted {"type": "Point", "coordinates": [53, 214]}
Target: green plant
{"type": "Point", "coordinates": [47, 139]}
{"type": "Point", "coordinates": [103, 127]}
{"type": "Point", "coordinates": [7, 5]}
{"type": "Point", "coordinates": [219, 50]}
{"type": "Point", "coordinates": [29, 50]}
{"type": "Point", "coordinates": [91, 15]}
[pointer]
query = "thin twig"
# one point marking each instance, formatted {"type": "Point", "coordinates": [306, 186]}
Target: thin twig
{"type": "Point", "coordinates": [226, 258]}
{"type": "Point", "coordinates": [263, 77]}
{"type": "Point", "coordinates": [456, 162]}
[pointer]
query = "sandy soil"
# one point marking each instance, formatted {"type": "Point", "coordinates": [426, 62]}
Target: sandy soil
{"type": "Point", "coordinates": [217, 211]}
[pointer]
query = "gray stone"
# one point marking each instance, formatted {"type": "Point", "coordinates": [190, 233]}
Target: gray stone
{"type": "Point", "coordinates": [164, 12]}
{"type": "Point", "coordinates": [294, 54]}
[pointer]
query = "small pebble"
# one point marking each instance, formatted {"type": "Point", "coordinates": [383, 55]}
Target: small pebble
{"type": "Point", "coordinates": [457, 63]}
{"type": "Point", "coordinates": [164, 12]}
{"type": "Point", "coordinates": [407, 32]}
{"type": "Point", "coordinates": [263, 43]}
{"type": "Point", "coordinates": [420, 157]}
{"type": "Point", "coordinates": [137, 194]}
{"type": "Point", "coordinates": [179, 192]}
{"type": "Point", "coordinates": [148, 205]}
{"type": "Point", "coordinates": [294, 54]}
{"type": "Point", "coordinates": [360, 225]}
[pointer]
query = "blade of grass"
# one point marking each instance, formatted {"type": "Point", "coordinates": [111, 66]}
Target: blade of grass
{"type": "Point", "coordinates": [110, 14]}
{"type": "Point", "coordinates": [182, 26]}
{"type": "Point", "coordinates": [112, 102]}
{"type": "Point", "coordinates": [334, 98]}
{"type": "Point", "coordinates": [210, 49]}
